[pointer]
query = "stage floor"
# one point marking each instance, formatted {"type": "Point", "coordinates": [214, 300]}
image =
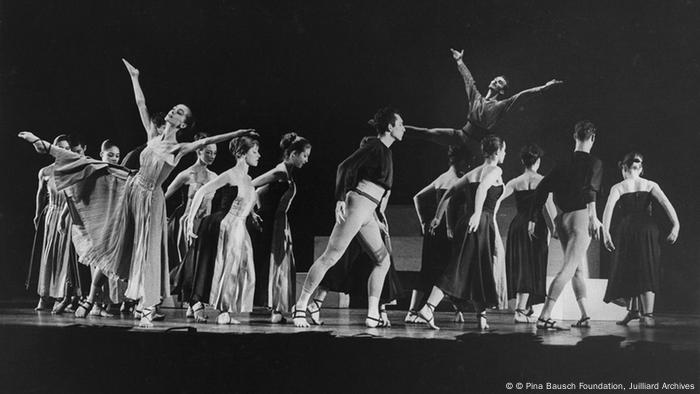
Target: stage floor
{"type": "Point", "coordinates": [48, 353]}
{"type": "Point", "coordinates": [679, 331]}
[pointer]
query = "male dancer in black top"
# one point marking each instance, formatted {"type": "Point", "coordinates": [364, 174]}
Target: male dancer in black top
{"type": "Point", "coordinates": [574, 185]}
{"type": "Point", "coordinates": [483, 112]}
{"type": "Point", "coordinates": [362, 180]}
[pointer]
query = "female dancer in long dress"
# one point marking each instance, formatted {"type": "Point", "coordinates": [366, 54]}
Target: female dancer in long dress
{"type": "Point", "coordinates": [526, 257]}
{"type": "Point", "coordinates": [272, 247]}
{"type": "Point", "coordinates": [120, 217]}
{"type": "Point", "coordinates": [469, 276]}
{"type": "Point", "coordinates": [55, 245]}
{"type": "Point", "coordinates": [193, 177]}
{"type": "Point", "coordinates": [437, 246]}
{"type": "Point", "coordinates": [634, 276]}
{"type": "Point", "coordinates": [112, 290]}
{"type": "Point", "coordinates": [361, 181]}
{"type": "Point", "coordinates": [233, 280]}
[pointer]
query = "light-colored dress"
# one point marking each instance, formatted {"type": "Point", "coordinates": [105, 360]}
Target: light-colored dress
{"type": "Point", "coordinates": [119, 218]}
{"type": "Point", "coordinates": [57, 252]}
{"type": "Point", "coordinates": [233, 282]}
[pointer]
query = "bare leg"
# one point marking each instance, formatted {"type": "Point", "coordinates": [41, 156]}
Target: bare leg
{"type": "Point", "coordinates": [314, 309]}
{"type": "Point", "coordinates": [359, 210]}
{"type": "Point", "coordinates": [647, 300]}
{"type": "Point", "coordinates": [427, 312]}
{"type": "Point", "coordinates": [416, 295]}
{"type": "Point", "coordinates": [632, 312]}
{"type": "Point", "coordinates": [522, 315]}
{"type": "Point", "coordinates": [98, 279]}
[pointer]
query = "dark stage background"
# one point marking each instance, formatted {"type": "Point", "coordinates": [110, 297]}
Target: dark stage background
{"type": "Point", "coordinates": [322, 69]}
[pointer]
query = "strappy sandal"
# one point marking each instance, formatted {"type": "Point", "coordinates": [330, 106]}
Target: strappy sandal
{"type": "Point", "coordinates": [384, 316]}
{"type": "Point", "coordinates": [147, 318]}
{"type": "Point", "coordinates": [647, 320]}
{"type": "Point", "coordinates": [86, 306]}
{"type": "Point", "coordinates": [582, 323]}
{"type": "Point", "coordinates": [411, 317]}
{"type": "Point", "coordinates": [189, 313]}
{"type": "Point", "coordinates": [60, 306]}
{"type": "Point", "coordinates": [299, 318]}
{"type": "Point", "coordinates": [430, 322]}
{"type": "Point", "coordinates": [485, 325]}
{"type": "Point", "coordinates": [42, 305]}
{"type": "Point", "coordinates": [316, 321]}
{"type": "Point", "coordinates": [199, 317]}
{"type": "Point", "coordinates": [380, 322]}
{"type": "Point", "coordinates": [549, 324]}
{"type": "Point", "coordinates": [631, 315]}
{"type": "Point", "coordinates": [522, 316]}
{"type": "Point", "coordinates": [277, 317]}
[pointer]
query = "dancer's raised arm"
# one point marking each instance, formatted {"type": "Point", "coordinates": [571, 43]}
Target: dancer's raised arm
{"type": "Point", "coordinates": [140, 100]}
{"type": "Point", "coordinates": [670, 211]}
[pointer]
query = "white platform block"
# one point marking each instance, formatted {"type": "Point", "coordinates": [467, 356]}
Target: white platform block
{"type": "Point", "coordinates": [566, 307]}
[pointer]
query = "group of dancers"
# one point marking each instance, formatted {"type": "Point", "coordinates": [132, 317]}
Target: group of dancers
{"type": "Point", "coordinates": [232, 231]}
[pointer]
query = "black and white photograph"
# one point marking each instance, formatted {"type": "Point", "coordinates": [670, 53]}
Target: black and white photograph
{"type": "Point", "coordinates": [350, 196]}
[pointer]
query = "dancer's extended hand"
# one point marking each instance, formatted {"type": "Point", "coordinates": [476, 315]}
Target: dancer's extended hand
{"type": "Point", "coordinates": [450, 232]}
{"type": "Point", "coordinates": [340, 212]}
{"type": "Point", "coordinates": [457, 55]}
{"type": "Point", "coordinates": [594, 227]}
{"type": "Point", "coordinates": [32, 139]}
{"type": "Point", "coordinates": [433, 225]}
{"type": "Point", "coordinates": [257, 221]}
{"type": "Point", "coordinates": [607, 240]}
{"type": "Point", "coordinates": [474, 222]}
{"type": "Point", "coordinates": [133, 71]}
{"type": "Point", "coordinates": [551, 83]}
{"type": "Point", "coordinates": [672, 236]}
{"type": "Point", "coordinates": [191, 236]}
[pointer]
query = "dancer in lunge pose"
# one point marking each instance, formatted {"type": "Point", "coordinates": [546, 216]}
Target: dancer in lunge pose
{"type": "Point", "coordinates": [437, 245]}
{"type": "Point", "coordinates": [120, 217]}
{"type": "Point", "coordinates": [634, 275]}
{"type": "Point", "coordinates": [574, 185]}
{"type": "Point", "coordinates": [361, 182]}
{"type": "Point", "coordinates": [233, 279]}
{"type": "Point", "coordinates": [272, 246]}
{"type": "Point", "coordinates": [483, 112]}
{"type": "Point", "coordinates": [469, 275]}
{"type": "Point", "coordinates": [526, 257]}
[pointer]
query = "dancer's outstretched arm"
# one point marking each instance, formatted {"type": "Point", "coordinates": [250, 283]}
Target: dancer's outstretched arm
{"type": "Point", "coordinates": [670, 211]}
{"type": "Point", "coordinates": [487, 181]}
{"type": "Point", "coordinates": [46, 147]}
{"type": "Point", "coordinates": [180, 180]}
{"type": "Point", "coordinates": [528, 93]}
{"type": "Point", "coordinates": [188, 147]}
{"type": "Point", "coordinates": [140, 100]}
{"type": "Point", "coordinates": [441, 136]}
{"type": "Point", "coordinates": [226, 178]}
{"type": "Point", "coordinates": [274, 175]}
